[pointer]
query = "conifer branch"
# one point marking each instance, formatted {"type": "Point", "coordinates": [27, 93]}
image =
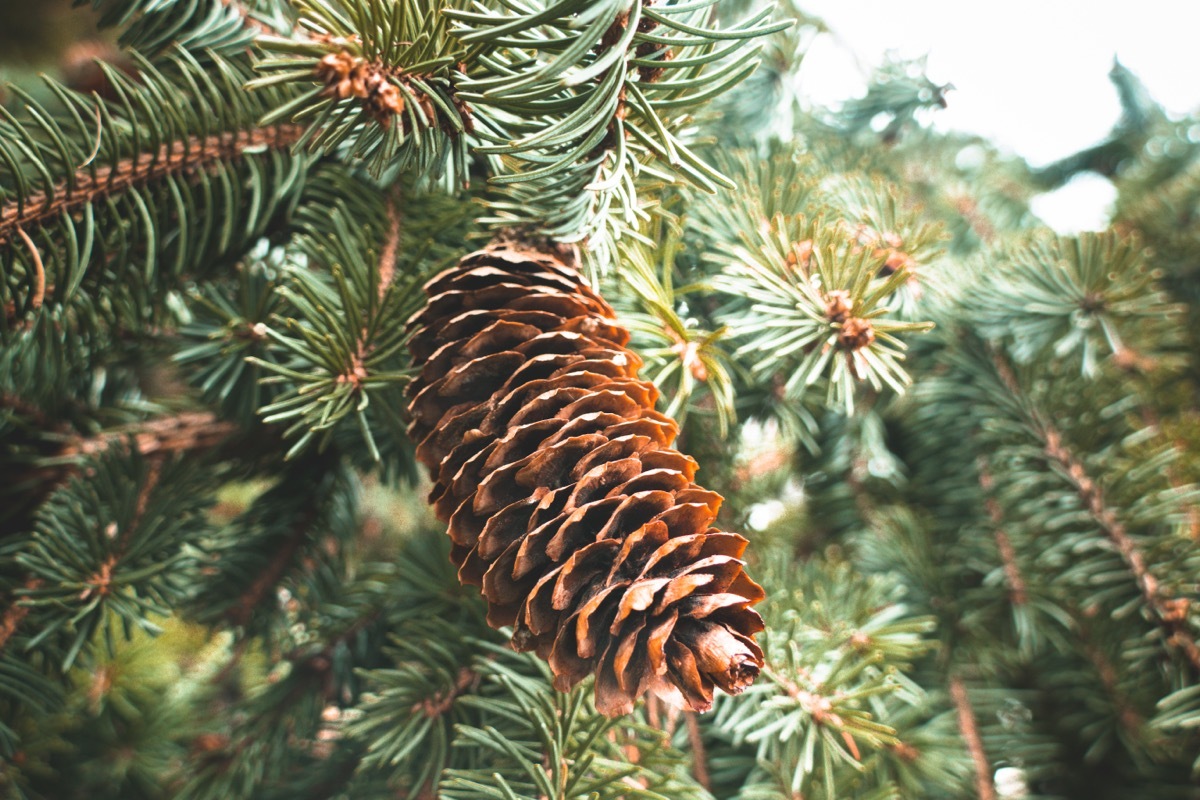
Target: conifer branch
{"type": "Point", "coordinates": [89, 185]}
{"type": "Point", "coordinates": [1140, 365]}
{"type": "Point", "coordinates": [969, 728]}
{"type": "Point", "coordinates": [184, 432]}
{"type": "Point", "coordinates": [24, 408]}
{"type": "Point", "coordinates": [1168, 614]}
{"type": "Point", "coordinates": [1162, 609]}
{"type": "Point", "coordinates": [442, 702]}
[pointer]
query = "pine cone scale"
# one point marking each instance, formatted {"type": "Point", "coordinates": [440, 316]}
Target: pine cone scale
{"type": "Point", "coordinates": [564, 499]}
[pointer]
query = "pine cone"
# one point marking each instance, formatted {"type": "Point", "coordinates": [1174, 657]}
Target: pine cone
{"type": "Point", "coordinates": [565, 500]}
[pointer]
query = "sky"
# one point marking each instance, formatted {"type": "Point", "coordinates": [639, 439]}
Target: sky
{"type": "Point", "coordinates": [1031, 76]}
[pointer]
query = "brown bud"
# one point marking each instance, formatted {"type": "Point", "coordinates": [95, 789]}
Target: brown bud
{"type": "Point", "coordinates": [856, 333]}
{"type": "Point", "coordinates": [838, 305]}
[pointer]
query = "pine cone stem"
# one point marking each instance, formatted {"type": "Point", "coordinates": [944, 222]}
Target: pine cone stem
{"type": "Point", "coordinates": [564, 498]}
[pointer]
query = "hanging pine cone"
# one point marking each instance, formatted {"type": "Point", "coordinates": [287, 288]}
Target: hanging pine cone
{"type": "Point", "coordinates": [565, 500]}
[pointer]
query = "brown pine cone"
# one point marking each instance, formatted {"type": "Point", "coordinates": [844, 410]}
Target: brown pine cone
{"type": "Point", "coordinates": [564, 498]}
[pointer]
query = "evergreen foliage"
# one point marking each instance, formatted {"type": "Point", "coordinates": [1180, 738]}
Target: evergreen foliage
{"type": "Point", "coordinates": [966, 449]}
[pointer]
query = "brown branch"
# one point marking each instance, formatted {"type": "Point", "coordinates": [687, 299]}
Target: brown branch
{"type": "Point", "coordinates": [1018, 591]}
{"type": "Point", "coordinates": [1130, 719]}
{"type": "Point", "coordinates": [969, 729]}
{"type": "Point", "coordinates": [391, 245]}
{"type": "Point", "coordinates": [248, 20]}
{"type": "Point", "coordinates": [188, 431]}
{"type": "Point", "coordinates": [39, 271]}
{"type": "Point", "coordinates": [184, 432]}
{"type": "Point", "coordinates": [442, 702]}
{"type": "Point", "coordinates": [15, 614]}
{"type": "Point", "coordinates": [90, 184]}
{"type": "Point", "coordinates": [699, 754]}
{"type": "Point", "coordinates": [249, 600]}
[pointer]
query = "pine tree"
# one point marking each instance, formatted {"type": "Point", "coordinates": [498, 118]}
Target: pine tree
{"type": "Point", "coordinates": [469, 399]}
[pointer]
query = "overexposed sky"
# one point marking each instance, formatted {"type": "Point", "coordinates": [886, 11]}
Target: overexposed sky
{"type": "Point", "coordinates": [1032, 76]}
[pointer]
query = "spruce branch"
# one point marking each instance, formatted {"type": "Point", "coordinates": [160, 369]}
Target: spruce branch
{"type": "Point", "coordinates": [92, 185]}
{"type": "Point", "coordinates": [181, 139]}
{"type": "Point", "coordinates": [333, 374]}
{"type": "Point", "coordinates": [112, 548]}
{"type": "Point", "coordinates": [63, 455]}
{"type": "Point", "coordinates": [824, 307]}
{"type": "Point", "coordinates": [277, 542]}
{"type": "Point", "coordinates": [1177, 480]}
{"type": "Point", "coordinates": [1083, 298]}
{"type": "Point", "coordinates": [386, 88]}
{"type": "Point", "coordinates": [280, 562]}
{"type": "Point", "coordinates": [1170, 614]}
{"type": "Point", "coordinates": [815, 293]}
{"type": "Point", "coordinates": [224, 27]}
{"type": "Point", "coordinates": [687, 362]}
{"type": "Point", "coordinates": [249, 19]}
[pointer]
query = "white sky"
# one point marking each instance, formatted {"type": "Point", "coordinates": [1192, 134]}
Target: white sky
{"type": "Point", "coordinates": [1031, 76]}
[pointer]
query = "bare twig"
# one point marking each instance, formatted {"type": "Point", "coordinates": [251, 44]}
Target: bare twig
{"type": "Point", "coordinates": [387, 258]}
{"type": "Point", "coordinates": [699, 754]}
{"type": "Point", "coordinates": [12, 617]}
{"type": "Point", "coordinates": [969, 728]}
{"type": "Point", "coordinates": [283, 557]}
{"type": "Point", "coordinates": [177, 433]}
{"type": "Point", "coordinates": [39, 270]}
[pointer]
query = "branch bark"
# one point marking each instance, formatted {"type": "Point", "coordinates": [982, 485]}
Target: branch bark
{"type": "Point", "coordinates": [266, 581]}
{"type": "Point", "coordinates": [1017, 588]}
{"type": "Point", "coordinates": [189, 431]}
{"type": "Point", "coordinates": [985, 788]}
{"type": "Point", "coordinates": [15, 614]}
